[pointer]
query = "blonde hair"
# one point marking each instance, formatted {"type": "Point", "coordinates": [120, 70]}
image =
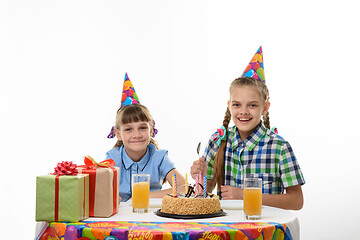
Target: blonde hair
{"type": "Point", "coordinates": [133, 113]}
{"type": "Point", "coordinates": [219, 168]}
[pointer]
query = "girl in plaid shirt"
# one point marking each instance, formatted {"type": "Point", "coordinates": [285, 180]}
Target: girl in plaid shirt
{"type": "Point", "coordinates": [250, 149]}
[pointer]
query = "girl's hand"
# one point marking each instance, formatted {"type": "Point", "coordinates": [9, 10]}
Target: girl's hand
{"type": "Point", "coordinates": [229, 192]}
{"type": "Point", "coordinates": [198, 167]}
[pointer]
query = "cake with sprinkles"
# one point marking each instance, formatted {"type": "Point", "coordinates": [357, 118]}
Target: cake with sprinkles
{"type": "Point", "coordinates": [191, 203]}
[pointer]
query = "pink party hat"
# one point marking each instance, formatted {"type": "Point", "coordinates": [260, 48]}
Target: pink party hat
{"type": "Point", "coordinates": [129, 95]}
{"type": "Point", "coordinates": [255, 69]}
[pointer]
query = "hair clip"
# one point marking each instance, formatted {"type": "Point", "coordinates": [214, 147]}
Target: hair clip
{"type": "Point", "coordinates": [112, 133]}
{"type": "Point", "coordinates": [274, 130]}
{"type": "Point", "coordinates": [155, 131]}
{"type": "Point", "coordinates": [219, 135]}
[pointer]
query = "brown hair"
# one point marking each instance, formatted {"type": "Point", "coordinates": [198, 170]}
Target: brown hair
{"type": "Point", "coordinates": [219, 168]}
{"type": "Point", "coordinates": [133, 113]}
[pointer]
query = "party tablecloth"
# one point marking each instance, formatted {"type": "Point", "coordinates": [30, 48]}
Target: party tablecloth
{"type": "Point", "coordinates": [274, 224]}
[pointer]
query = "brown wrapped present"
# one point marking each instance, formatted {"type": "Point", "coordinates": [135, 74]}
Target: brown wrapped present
{"type": "Point", "coordinates": [103, 188]}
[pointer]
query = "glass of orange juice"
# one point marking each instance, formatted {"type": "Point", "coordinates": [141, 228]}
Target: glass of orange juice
{"type": "Point", "coordinates": [140, 192]}
{"type": "Point", "coordinates": [252, 198]}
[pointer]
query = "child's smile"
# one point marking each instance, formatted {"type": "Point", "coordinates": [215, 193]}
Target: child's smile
{"type": "Point", "coordinates": [137, 141]}
{"type": "Point", "coordinates": [244, 119]}
{"type": "Point", "coordinates": [246, 107]}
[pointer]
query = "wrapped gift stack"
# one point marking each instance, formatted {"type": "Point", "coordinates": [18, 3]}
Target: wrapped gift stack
{"type": "Point", "coordinates": [73, 193]}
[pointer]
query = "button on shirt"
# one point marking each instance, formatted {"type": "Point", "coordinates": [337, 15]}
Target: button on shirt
{"type": "Point", "coordinates": [155, 162]}
{"type": "Point", "coordinates": [263, 154]}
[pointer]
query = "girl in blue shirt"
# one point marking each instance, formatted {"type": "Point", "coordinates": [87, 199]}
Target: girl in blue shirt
{"type": "Point", "coordinates": [137, 152]}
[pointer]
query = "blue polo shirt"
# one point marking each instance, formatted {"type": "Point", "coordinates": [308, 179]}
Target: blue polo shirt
{"type": "Point", "coordinates": [155, 162]}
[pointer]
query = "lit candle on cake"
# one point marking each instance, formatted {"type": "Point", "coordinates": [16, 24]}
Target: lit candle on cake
{"type": "Point", "coordinates": [205, 185]}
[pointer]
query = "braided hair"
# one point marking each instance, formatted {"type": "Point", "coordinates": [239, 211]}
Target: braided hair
{"type": "Point", "coordinates": [219, 168]}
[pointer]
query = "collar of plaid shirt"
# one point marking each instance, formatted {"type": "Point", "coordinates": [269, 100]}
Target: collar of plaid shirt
{"type": "Point", "coordinates": [250, 141]}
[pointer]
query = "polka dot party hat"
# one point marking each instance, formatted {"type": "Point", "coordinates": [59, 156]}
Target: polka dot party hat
{"type": "Point", "coordinates": [129, 95]}
{"type": "Point", "coordinates": [255, 68]}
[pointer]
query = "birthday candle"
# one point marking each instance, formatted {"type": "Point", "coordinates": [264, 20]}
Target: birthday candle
{"type": "Point", "coordinates": [205, 185]}
{"type": "Point", "coordinates": [175, 184]}
{"type": "Point", "coordinates": [186, 183]}
{"type": "Point", "coordinates": [196, 184]}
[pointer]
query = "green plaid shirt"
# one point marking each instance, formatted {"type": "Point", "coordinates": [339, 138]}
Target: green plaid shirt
{"type": "Point", "coordinates": [263, 154]}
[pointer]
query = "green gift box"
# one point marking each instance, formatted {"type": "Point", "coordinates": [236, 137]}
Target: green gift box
{"type": "Point", "coordinates": [62, 198]}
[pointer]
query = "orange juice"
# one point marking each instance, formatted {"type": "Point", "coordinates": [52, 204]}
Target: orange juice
{"type": "Point", "coordinates": [252, 201]}
{"type": "Point", "coordinates": [140, 195]}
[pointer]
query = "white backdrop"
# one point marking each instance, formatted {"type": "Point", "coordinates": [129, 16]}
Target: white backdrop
{"type": "Point", "coordinates": [62, 65]}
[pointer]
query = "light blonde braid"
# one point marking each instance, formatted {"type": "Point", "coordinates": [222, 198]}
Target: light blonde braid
{"type": "Point", "coordinates": [219, 169]}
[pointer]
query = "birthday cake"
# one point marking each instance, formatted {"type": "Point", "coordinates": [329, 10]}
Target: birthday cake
{"type": "Point", "coordinates": [190, 203]}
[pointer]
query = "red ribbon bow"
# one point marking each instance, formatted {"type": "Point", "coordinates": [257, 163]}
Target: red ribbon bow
{"type": "Point", "coordinates": [90, 163]}
{"type": "Point", "coordinates": [65, 168]}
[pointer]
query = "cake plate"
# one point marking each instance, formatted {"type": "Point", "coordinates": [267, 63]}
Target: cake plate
{"type": "Point", "coordinates": [193, 216]}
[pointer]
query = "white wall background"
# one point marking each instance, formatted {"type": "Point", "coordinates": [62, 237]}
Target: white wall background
{"type": "Point", "coordinates": [62, 65]}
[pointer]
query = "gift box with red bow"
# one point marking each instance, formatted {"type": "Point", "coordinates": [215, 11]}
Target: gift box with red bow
{"type": "Point", "coordinates": [62, 195]}
{"type": "Point", "coordinates": [104, 186]}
